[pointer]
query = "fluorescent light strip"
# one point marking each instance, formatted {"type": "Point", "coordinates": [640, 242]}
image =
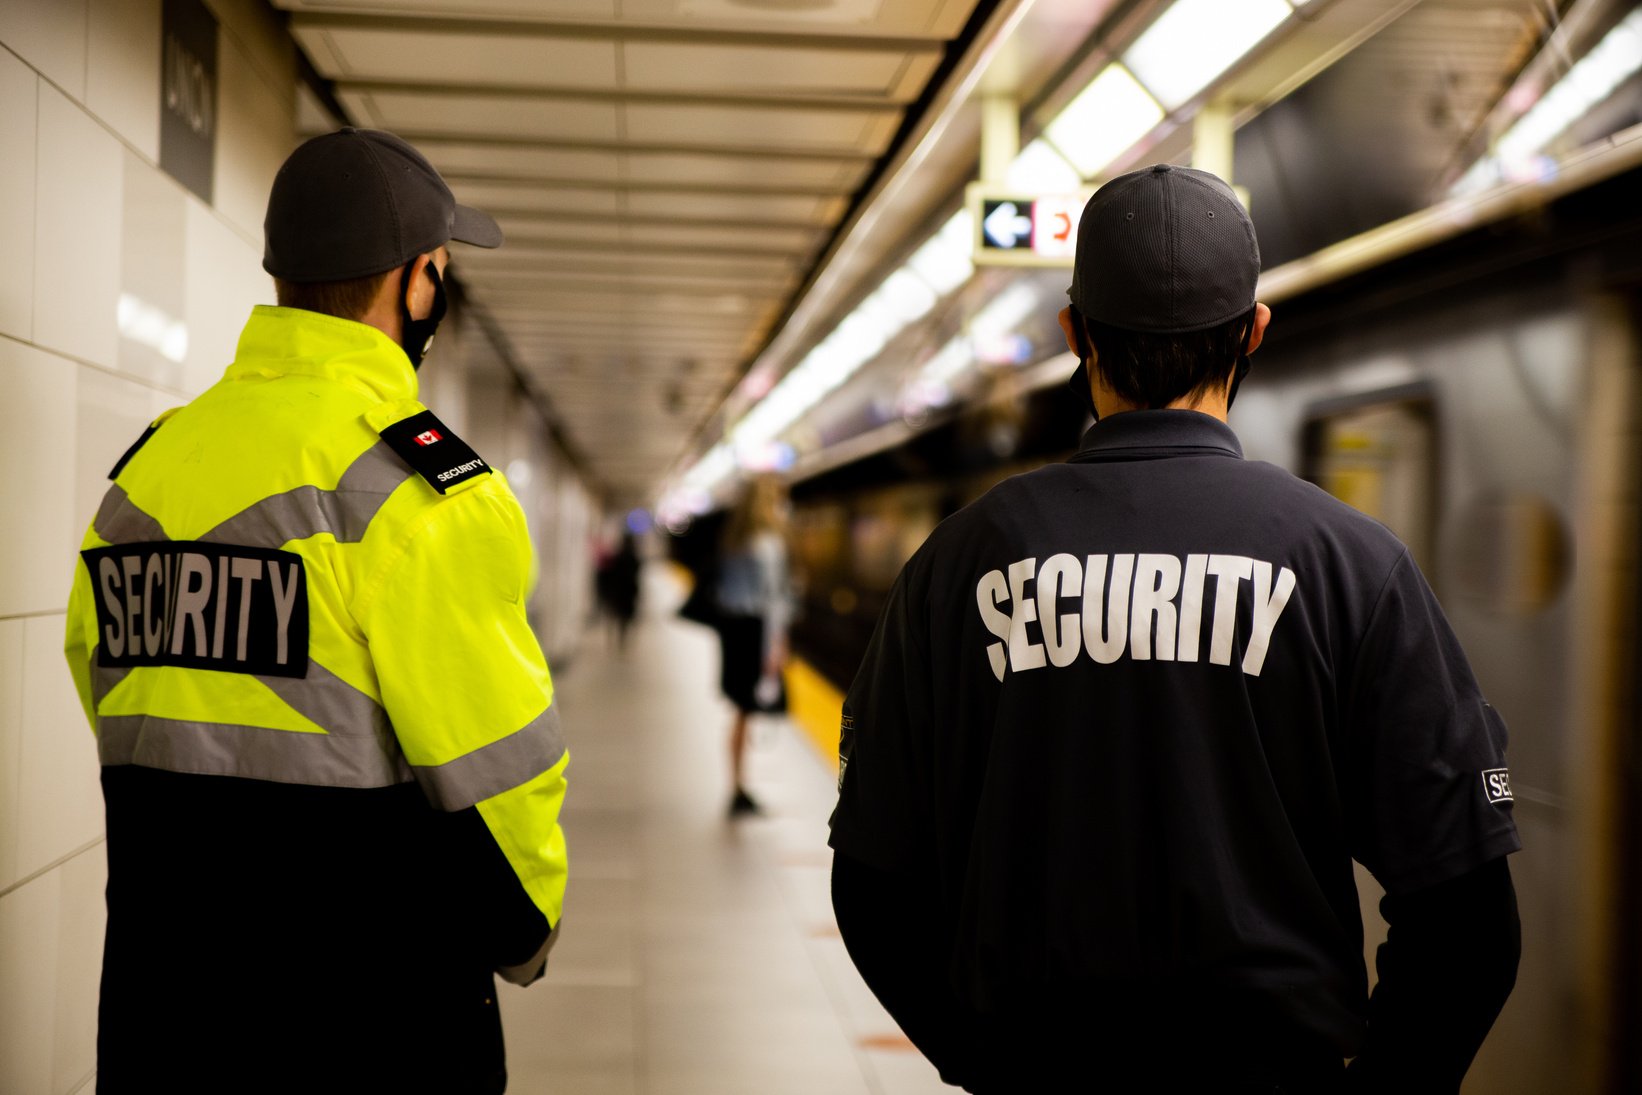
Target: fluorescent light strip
{"type": "Point", "coordinates": [1610, 63]}
{"type": "Point", "coordinates": [1191, 44]}
{"type": "Point", "coordinates": [1105, 118]}
{"type": "Point", "coordinates": [1039, 169]}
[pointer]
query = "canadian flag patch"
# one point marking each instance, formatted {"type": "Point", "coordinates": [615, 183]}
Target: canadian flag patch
{"type": "Point", "coordinates": [427, 437]}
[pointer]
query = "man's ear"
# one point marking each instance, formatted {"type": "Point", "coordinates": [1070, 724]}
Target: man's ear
{"type": "Point", "coordinates": [1065, 319]}
{"type": "Point", "coordinates": [418, 288]}
{"type": "Point", "coordinates": [1262, 316]}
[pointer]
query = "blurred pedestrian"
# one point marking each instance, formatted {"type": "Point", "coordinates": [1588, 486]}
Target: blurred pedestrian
{"type": "Point", "coordinates": [617, 586]}
{"type": "Point", "coordinates": [754, 594]}
{"type": "Point", "coordinates": [1126, 721]}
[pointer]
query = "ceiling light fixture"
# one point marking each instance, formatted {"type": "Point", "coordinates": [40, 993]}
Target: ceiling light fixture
{"type": "Point", "coordinates": [1191, 44]}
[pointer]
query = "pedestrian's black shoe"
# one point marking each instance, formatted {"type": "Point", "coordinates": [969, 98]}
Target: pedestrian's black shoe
{"type": "Point", "coordinates": [743, 804]}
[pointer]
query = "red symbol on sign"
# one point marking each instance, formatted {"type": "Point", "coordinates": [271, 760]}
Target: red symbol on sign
{"type": "Point", "coordinates": [428, 437]}
{"type": "Point", "coordinates": [1065, 230]}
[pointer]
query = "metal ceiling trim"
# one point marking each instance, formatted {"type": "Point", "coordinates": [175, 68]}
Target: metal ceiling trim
{"type": "Point", "coordinates": [1442, 222]}
{"type": "Point", "coordinates": [840, 153]}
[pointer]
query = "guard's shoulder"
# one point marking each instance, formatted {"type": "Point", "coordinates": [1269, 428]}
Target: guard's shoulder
{"type": "Point", "coordinates": [428, 446]}
{"type": "Point", "coordinates": [136, 446]}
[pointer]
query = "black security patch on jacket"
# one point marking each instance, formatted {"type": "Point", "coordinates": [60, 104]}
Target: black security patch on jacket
{"type": "Point", "coordinates": [433, 452]}
{"type": "Point", "coordinates": [114, 473]}
{"type": "Point", "coordinates": [201, 606]}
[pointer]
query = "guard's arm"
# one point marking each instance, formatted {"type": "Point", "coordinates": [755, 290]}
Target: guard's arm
{"type": "Point", "coordinates": [472, 704]}
{"type": "Point", "coordinates": [886, 922]}
{"type": "Point", "coordinates": [80, 639]}
{"type": "Point", "coordinates": [1445, 971]}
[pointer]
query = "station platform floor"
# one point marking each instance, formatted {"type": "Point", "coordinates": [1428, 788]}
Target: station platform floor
{"type": "Point", "coordinates": [699, 954]}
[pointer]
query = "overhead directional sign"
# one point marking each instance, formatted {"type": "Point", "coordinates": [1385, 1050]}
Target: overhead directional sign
{"type": "Point", "coordinates": [1025, 229]}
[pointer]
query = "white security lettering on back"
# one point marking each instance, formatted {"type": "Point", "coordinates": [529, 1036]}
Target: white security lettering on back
{"type": "Point", "coordinates": [1157, 580]}
{"type": "Point", "coordinates": [1146, 606]}
{"type": "Point", "coordinates": [1061, 576]}
{"type": "Point", "coordinates": [1106, 607]}
{"type": "Point", "coordinates": [1023, 652]}
{"type": "Point", "coordinates": [988, 592]}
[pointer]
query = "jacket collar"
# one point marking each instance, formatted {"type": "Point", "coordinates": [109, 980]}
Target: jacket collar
{"type": "Point", "coordinates": [1135, 435]}
{"type": "Point", "coordinates": [292, 342]}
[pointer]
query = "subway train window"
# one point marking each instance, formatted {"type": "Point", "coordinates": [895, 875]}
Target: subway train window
{"type": "Point", "coordinates": [1377, 456]}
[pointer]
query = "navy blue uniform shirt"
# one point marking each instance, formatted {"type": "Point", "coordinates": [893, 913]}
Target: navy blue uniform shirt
{"type": "Point", "coordinates": [1135, 714]}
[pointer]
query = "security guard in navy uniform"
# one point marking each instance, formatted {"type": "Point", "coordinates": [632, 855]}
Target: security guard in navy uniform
{"type": "Point", "coordinates": [1126, 721]}
{"type": "Point", "coordinates": [332, 764]}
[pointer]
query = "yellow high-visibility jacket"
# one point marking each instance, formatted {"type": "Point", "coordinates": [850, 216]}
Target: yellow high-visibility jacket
{"type": "Point", "coordinates": [301, 609]}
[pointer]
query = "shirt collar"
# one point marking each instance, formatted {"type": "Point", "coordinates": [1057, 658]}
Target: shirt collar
{"type": "Point", "coordinates": [291, 341]}
{"type": "Point", "coordinates": [1137, 434]}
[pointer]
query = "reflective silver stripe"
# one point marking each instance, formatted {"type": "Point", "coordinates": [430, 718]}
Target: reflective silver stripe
{"type": "Point", "coordinates": [331, 703]}
{"type": "Point", "coordinates": [104, 679]}
{"type": "Point", "coordinates": [306, 511]}
{"type": "Point", "coordinates": [251, 752]}
{"type": "Point", "coordinates": [119, 520]}
{"type": "Point", "coordinates": [500, 766]}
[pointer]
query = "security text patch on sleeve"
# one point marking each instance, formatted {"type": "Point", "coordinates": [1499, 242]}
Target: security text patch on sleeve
{"type": "Point", "coordinates": [433, 452]}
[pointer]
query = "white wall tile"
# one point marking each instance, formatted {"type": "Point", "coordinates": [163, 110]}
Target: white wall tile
{"type": "Point", "coordinates": [153, 225]}
{"type": "Point", "coordinates": [51, 36]}
{"type": "Point", "coordinates": [110, 413]}
{"type": "Point", "coordinates": [123, 70]}
{"type": "Point", "coordinates": [18, 117]}
{"type": "Point", "coordinates": [224, 278]}
{"type": "Point", "coordinates": [11, 748]}
{"type": "Point", "coordinates": [254, 135]}
{"type": "Point", "coordinates": [28, 998]}
{"type": "Point", "coordinates": [81, 919]}
{"type": "Point", "coordinates": [37, 507]}
{"type": "Point", "coordinates": [62, 800]}
{"type": "Point", "coordinates": [77, 237]}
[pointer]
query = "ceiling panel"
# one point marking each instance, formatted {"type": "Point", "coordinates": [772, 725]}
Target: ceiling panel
{"type": "Point", "coordinates": [745, 207]}
{"type": "Point", "coordinates": [505, 261]}
{"type": "Point", "coordinates": [544, 199]}
{"type": "Point", "coordinates": [456, 159]}
{"type": "Point", "coordinates": [763, 71]}
{"type": "Point", "coordinates": [357, 51]}
{"type": "Point", "coordinates": [760, 172]}
{"type": "Point", "coordinates": [435, 113]}
{"type": "Point", "coordinates": [776, 129]}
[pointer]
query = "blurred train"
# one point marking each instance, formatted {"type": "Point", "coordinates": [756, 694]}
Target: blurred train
{"type": "Point", "coordinates": [1480, 396]}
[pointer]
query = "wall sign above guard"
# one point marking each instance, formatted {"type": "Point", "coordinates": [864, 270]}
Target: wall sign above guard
{"type": "Point", "coordinates": [188, 95]}
{"type": "Point", "coordinates": [1023, 229]}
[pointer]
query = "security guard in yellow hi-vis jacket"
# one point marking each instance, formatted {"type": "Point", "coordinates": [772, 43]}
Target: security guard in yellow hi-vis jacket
{"type": "Point", "coordinates": [332, 764]}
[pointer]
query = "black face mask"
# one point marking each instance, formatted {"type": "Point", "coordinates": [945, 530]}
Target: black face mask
{"type": "Point", "coordinates": [417, 334]}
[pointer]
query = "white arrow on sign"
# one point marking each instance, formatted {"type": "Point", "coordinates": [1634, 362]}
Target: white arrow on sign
{"type": "Point", "coordinates": [1006, 225]}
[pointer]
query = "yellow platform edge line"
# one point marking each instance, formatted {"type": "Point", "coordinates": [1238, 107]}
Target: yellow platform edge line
{"type": "Point", "coordinates": [815, 706]}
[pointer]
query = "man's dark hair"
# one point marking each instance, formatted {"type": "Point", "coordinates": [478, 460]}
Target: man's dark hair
{"type": "Point", "coordinates": [1153, 369]}
{"type": "Point", "coordinates": [348, 299]}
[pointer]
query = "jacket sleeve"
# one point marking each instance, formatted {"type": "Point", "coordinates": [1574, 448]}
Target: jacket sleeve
{"type": "Point", "coordinates": [80, 639]}
{"type": "Point", "coordinates": [471, 702]}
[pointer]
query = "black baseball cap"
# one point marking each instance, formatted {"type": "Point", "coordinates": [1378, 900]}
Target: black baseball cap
{"type": "Point", "coordinates": [1165, 249]}
{"type": "Point", "coordinates": [359, 202]}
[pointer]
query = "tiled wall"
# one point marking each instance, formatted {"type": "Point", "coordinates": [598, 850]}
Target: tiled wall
{"type": "Point", "coordinates": [86, 216]}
